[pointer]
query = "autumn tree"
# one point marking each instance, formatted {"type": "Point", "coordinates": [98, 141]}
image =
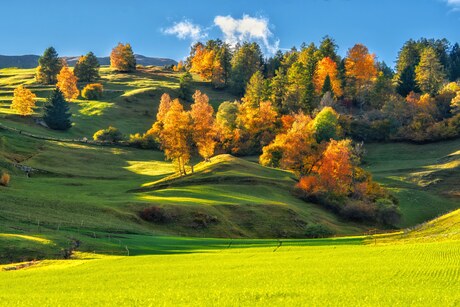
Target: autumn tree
{"type": "Point", "coordinates": [333, 174]}
{"type": "Point", "coordinates": [360, 65]}
{"type": "Point", "coordinates": [87, 68]}
{"type": "Point", "coordinates": [175, 136]}
{"type": "Point", "coordinates": [203, 131]}
{"type": "Point", "coordinates": [23, 101]}
{"type": "Point", "coordinates": [295, 150]}
{"type": "Point", "coordinates": [49, 66]}
{"type": "Point", "coordinates": [225, 124]}
{"type": "Point", "coordinates": [429, 73]}
{"type": "Point", "coordinates": [202, 62]}
{"type": "Point", "coordinates": [122, 58]}
{"type": "Point", "coordinates": [67, 83]}
{"type": "Point", "coordinates": [327, 67]}
{"type": "Point", "coordinates": [163, 108]}
{"type": "Point", "coordinates": [57, 112]}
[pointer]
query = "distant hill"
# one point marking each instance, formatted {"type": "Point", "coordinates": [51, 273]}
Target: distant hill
{"type": "Point", "coordinates": [31, 61]}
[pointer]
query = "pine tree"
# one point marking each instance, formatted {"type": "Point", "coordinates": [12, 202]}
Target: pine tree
{"type": "Point", "coordinates": [49, 66]}
{"type": "Point", "coordinates": [454, 63]}
{"type": "Point", "coordinates": [87, 68]}
{"type": "Point", "coordinates": [429, 73]}
{"type": "Point", "coordinates": [57, 114]}
{"type": "Point", "coordinates": [185, 86]}
{"type": "Point", "coordinates": [327, 86]}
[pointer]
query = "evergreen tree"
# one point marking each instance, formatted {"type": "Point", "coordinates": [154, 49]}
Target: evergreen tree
{"type": "Point", "coordinates": [185, 86]}
{"type": "Point", "coordinates": [49, 66]}
{"type": "Point", "coordinates": [57, 114]}
{"type": "Point", "coordinates": [246, 60]}
{"type": "Point", "coordinates": [87, 68]}
{"type": "Point", "coordinates": [454, 63]}
{"type": "Point", "coordinates": [429, 73]}
{"type": "Point", "coordinates": [256, 90]}
{"type": "Point", "coordinates": [406, 82]}
{"type": "Point", "coordinates": [327, 86]}
{"type": "Point", "coordinates": [328, 48]}
{"type": "Point", "coordinates": [278, 89]}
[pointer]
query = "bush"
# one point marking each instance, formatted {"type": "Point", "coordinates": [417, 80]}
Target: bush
{"type": "Point", "coordinates": [359, 211]}
{"type": "Point", "coordinates": [387, 212]}
{"type": "Point", "coordinates": [156, 215]}
{"type": "Point", "coordinates": [92, 91]}
{"type": "Point", "coordinates": [5, 179]}
{"type": "Point", "coordinates": [318, 231]}
{"type": "Point", "coordinates": [110, 134]}
{"type": "Point", "coordinates": [144, 141]}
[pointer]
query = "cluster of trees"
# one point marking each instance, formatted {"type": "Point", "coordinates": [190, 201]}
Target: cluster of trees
{"type": "Point", "coordinates": [313, 147]}
{"type": "Point", "coordinates": [373, 98]}
{"type": "Point", "coordinates": [53, 70]}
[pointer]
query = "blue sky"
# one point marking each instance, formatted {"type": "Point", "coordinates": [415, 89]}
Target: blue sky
{"type": "Point", "coordinates": [168, 28]}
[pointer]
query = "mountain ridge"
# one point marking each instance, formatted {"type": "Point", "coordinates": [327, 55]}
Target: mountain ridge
{"type": "Point", "coordinates": [31, 60]}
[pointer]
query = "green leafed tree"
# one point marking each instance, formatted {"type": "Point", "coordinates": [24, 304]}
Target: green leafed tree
{"type": "Point", "coordinates": [326, 125]}
{"type": "Point", "coordinates": [429, 73]}
{"type": "Point", "coordinates": [49, 65]}
{"type": "Point", "coordinates": [247, 59]}
{"type": "Point", "coordinates": [56, 112]}
{"type": "Point", "coordinates": [87, 68]}
{"type": "Point", "coordinates": [185, 86]}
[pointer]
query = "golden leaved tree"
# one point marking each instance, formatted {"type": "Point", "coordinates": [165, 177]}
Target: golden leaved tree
{"type": "Point", "coordinates": [204, 133]}
{"type": "Point", "coordinates": [23, 101]}
{"type": "Point", "coordinates": [67, 83]}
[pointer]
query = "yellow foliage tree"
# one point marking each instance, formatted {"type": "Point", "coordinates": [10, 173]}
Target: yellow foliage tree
{"type": "Point", "coordinates": [23, 101]}
{"type": "Point", "coordinates": [326, 67]}
{"type": "Point", "coordinates": [204, 134]}
{"type": "Point", "coordinates": [360, 65]}
{"type": "Point", "coordinates": [67, 83]}
{"type": "Point", "coordinates": [175, 135]}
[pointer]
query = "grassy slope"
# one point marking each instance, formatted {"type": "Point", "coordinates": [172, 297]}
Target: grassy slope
{"type": "Point", "coordinates": [423, 177]}
{"type": "Point", "coordinates": [130, 101]}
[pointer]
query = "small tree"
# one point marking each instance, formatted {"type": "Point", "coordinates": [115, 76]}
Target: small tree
{"type": "Point", "coordinates": [49, 66]}
{"type": "Point", "coordinates": [87, 68]}
{"type": "Point", "coordinates": [203, 132]}
{"type": "Point", "coordinates": [23, 101]}
{"type": "Point", "coordinates": [185, 86]}
{"type": "Point", "coordinates": [122, 58]}
{"type": "Point", "coordinates": [57, 114]}
{"type": "Point", "coordinates": [67, 83]}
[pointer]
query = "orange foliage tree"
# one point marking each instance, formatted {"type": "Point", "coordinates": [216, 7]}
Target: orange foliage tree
{"type": "Point", "coordinates": [202, 62]}
{"type": "Point", "coordinates": [122, 58]}
{"type": "Point", "coordinates": [360, 65]}
{"type": "Point", "coordinates": [175, 136]}
{"type": "Point", "coordinates": [334, 171]}
{"type": "Point", "coordinates": [67, 83]}
{"type": "Point", "coordinates": [203, 132]}
{"type": "Point", "coordinates": [327, 67]}
{"type": "Point", "coordinates": [23, 101]}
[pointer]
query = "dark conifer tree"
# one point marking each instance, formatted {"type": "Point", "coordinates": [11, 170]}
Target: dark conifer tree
{"type": "Point", "coordinates": [57, 114]}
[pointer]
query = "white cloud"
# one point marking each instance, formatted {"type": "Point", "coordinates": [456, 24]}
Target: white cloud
{"type": "Point", "coordinates": [453, 2]}
{"type": "Point", "coordinates": [247, 29]}
{"type": "Point", "coordinates": [186, 29]}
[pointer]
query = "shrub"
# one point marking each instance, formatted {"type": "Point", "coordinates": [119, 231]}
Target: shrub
{"type": "Point", "coordinates": [318, 231]}
{"type": "Point", "coordinates": [387, 212]}
{"type": "Point", "coordinates": [92, 91]}
{"type": "Point", "coordinates": [110, 134]}
{"type": "Point", "coordinates": [5, 179]}
{"type": "Point", "coordinates": [144, 141]}
{"type": "Point", "coordinates": [359, 211]}
{"type": "Point", "coordinates": [156, 215]}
